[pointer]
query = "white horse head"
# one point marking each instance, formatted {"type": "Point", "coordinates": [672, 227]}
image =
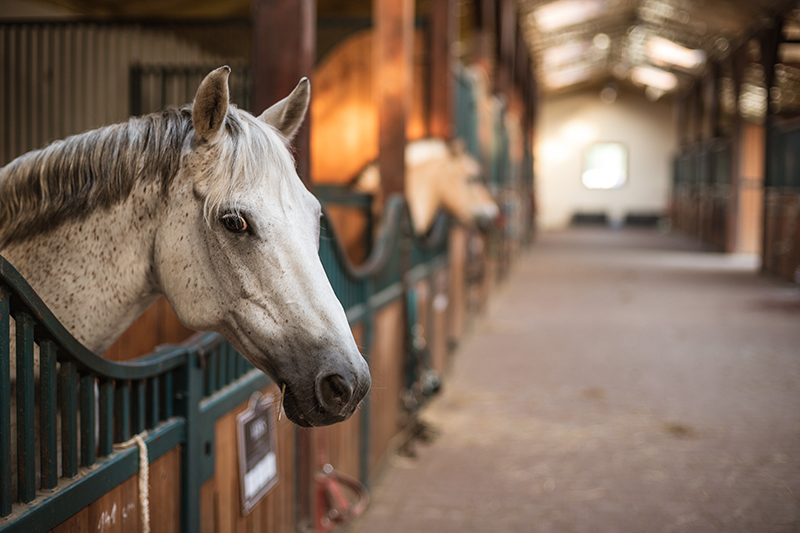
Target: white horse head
{"type": "Point", "coordinates": [237, 253]}
{"type": "Point", "coordinates": [439, 176]}
{"type": "Point", "coordinates": [211, 214]}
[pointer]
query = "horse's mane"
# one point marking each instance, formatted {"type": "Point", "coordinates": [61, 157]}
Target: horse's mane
{"type": "Point", "coordinates": [73, 177]}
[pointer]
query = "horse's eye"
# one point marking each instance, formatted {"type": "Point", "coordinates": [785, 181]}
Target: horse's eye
{"type": "Point", "coordinates": [234, 223]}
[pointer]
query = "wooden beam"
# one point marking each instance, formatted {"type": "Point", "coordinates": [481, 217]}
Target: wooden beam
{"type": "Point", "coordinates": [506, 29]}
{"type": "Point", "coordinates": [394, 42]}
{"type": "Point", "coordinates": [284, 48]}
{"type": "Point", "coordinates": [443, 34]}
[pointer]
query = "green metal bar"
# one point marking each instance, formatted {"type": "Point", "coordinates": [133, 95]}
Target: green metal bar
{"type": "Point", "coordinates": [154, 395]}
{"type": "Point", "coordinates": [6, 486]}
{"type": "Point", "coordinates": [122, 405]}
{"type": "Point", "coordinates": [168, 396]}
{"type": "Point", "coordinates": [139, 408]}
{"type": "Point", "coordinates": [88, 421]}
{"type": "Point", "coordinates": [106, 443]}
{"type": "Point", "coordinates": [212, 366]}
{"type": "Point", "coordinates": [52, 511]}
{"type": "Point", "coordinates": [26, 436]}
{"type": "Point", "coordinates": [47, 324]}
{"type": "Point", "coordinates": [48, 411]}
{"type": "Point", "coordinates": [223, 401]}
{"type": "Point", "coordinates": [190, 386]}
{"type": "Point", "coordinates": [232, 356]}
{"type": "Point", "coordinates": [69, 419]}
{"type": "Point", "coordinates": [222, 374]}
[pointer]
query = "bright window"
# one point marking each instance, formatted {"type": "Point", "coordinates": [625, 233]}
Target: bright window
{"type": "Point", "coordinates": [605, 166]}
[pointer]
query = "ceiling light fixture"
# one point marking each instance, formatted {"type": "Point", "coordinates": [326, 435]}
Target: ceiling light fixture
{"type": "Point", "coordinates": [654, 77]}
{"type": "Point", "coordinates": [563, 13]}
{"type": "Point", "coordinates": [664, 52]}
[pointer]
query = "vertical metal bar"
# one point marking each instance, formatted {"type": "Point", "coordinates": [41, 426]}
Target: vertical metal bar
{"type": "Point", "coordinates": [191, 388]}
{"type": "Point", "coordinates": [122, 405]}
{"type": "Point", "coordinates": [223, 378]}
{"type": "Point", "coordinates": [139, 409]}
{"type": "Point", "coordinates": [5, 402]}
{"type": "Point", "coordinates": [154, 394]}
{"type": "Point", "coordinates": [232, 356]}
{"type": "Point", "coordinates": [69, 419]}
{"type": "Point", "coordinates": [106, 441]}
{"type": "Point", "coordinates": [88, 421]}
{"type": "Point", "coordinates": [220, 367]}
{"type": "Point", "coordinates": [26, 437]}
{"type": "Point", "coordinates": [212, 364]}
{"type": "Point", "coordinates": [169, 396]}
{"type": "Point", "coordinates": [48, 410]}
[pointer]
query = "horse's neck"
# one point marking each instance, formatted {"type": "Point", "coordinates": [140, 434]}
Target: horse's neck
{"type": "Point", "coordinates": [94, 274]}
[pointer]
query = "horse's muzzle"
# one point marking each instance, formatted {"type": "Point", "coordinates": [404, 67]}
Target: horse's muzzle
{"type": "Point", "coordinates": [336, 397]}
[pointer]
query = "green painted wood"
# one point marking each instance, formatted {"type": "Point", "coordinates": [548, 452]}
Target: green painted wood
{"type": "Point", "coordinates": [219, 368]}
{"type": "Point", "coordinates": [48, 412]}
{"type": "Point", "coordinates": [122, 411]}
{"type": "Point", "coordinates": [26, 429]}
{"type": "Point", "coordinates": [106, 415]}
{"type": "Point", "coordinates": [154, 402]}
{"type": "Point", "coordinates": [168, 396]}
{"type": "Point", "coordinates": [88, 419]}
{"type": "Point", "coordinates": [212, 366]}
{"type": "Point", "coordinates": [139, 406]}
{"type": "Point", "coordinates": [156, 363]}
{"type": "Point", "coordinates": [83, 490]}
{"type": "Point", "coordinates": [68, 386]}
{"type": "Point", "coordinates": [6, 483]}
{"type": "Point", "coordinates": [232, 357]}
{"type": "Point", "coordinates": [189, 385]}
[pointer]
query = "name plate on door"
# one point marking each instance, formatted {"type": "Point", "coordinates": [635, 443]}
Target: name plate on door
{"type": "Point", "coordinates": [258, 450]}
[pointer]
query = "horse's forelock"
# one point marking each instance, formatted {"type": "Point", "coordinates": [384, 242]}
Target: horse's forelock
{"type": "Point", "coordinates": [252, 155]}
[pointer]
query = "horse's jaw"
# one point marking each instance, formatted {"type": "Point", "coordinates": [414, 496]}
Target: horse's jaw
{"type": "Point", "coordinates": [322, 374]}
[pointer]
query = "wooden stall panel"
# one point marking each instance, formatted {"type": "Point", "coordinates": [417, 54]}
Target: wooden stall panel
{"type": "Point", "coordinates": [221, 507]}
{"type": "Point", "coordinates": [751, 189]}
{"type": "Point", "coordinates": [119, 510]}
{"type": "Point", "coordinates": [386, 366]}
{"type": "Point", "coordinates": [158, 325]}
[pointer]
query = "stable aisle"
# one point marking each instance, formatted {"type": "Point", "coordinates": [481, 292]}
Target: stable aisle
{"type": "Point", "coordinates": [619, 381]}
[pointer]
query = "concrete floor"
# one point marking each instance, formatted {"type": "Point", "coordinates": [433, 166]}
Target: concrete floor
{"type": "Point", "coordinates": [620, 381]}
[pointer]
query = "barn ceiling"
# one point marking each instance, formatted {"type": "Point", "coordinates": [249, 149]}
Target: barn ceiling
{"type": "Point", "coordinates": [659, 45]}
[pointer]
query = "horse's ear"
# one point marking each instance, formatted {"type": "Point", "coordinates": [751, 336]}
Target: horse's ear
{"type": "Point", "coordinates": [287, 115]}
{"type": "Point", "coordinates": [211, 105]}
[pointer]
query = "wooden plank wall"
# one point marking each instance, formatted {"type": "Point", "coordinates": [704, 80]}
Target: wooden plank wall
{"type": "Point", "coordinates": [221, 506]}
{"type": "Point", "coordinates": [118, 511]}
{"type": "Point", "coordinates": [386, 366]}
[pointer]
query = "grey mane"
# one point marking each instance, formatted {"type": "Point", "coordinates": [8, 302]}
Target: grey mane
{"type": "Point", "coordinates": [73, 177]}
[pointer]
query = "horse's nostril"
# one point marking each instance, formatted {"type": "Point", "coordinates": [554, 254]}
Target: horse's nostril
{"type": "Point", "coordinates": [334, 392]}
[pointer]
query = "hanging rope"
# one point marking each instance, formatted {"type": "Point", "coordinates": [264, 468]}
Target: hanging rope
{"type": "Point", "coordinates": [144, 476]}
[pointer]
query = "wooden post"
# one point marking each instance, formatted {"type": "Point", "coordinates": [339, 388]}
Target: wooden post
{"type": "Point", "coordinates": [394, 42]}
{"type": "Point", "coordinates": [507, 27]}
{"type": "Point", "coordinates": [284, 48]}
{"type": "Point", "coordinates": [443, 34]}
{"type": "Point", "coordinates": [770, 41]}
